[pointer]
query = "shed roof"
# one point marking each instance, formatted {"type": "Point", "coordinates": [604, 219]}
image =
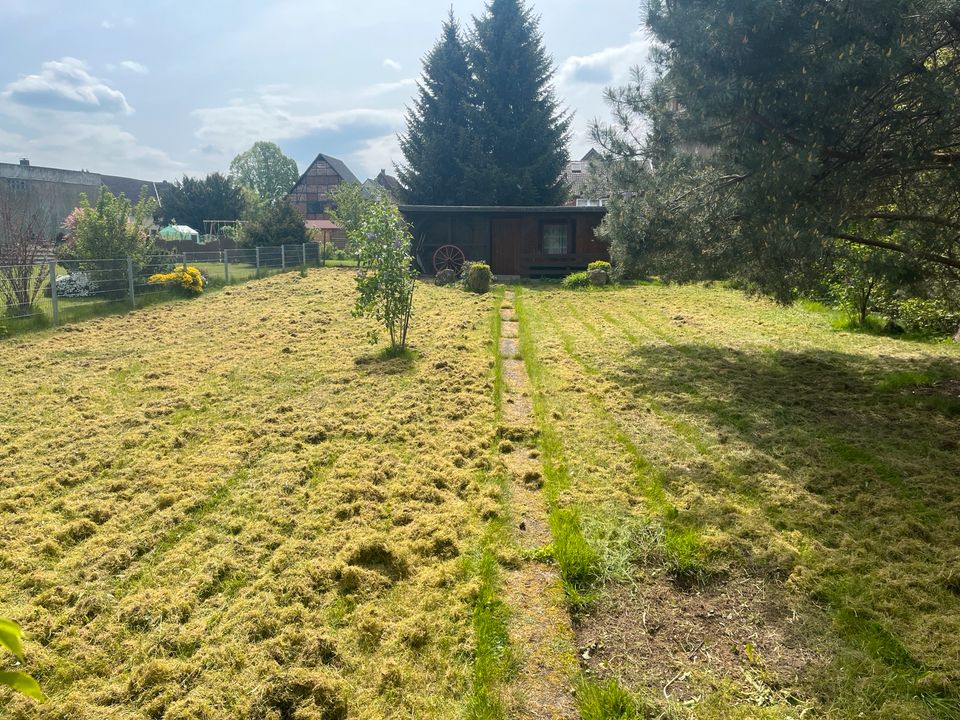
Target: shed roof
{"type": "Point", "coordinates": [505, 209]}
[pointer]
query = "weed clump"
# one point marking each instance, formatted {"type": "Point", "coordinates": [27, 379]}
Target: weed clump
{"type": "Point", "coordinates": [578, 562]}
{"type": "Point", "coordinates": [302, 694]}
{"type": "Point", "coordinates": [605, 701]}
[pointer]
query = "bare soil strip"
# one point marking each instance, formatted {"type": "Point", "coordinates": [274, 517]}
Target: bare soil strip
{"type": "Point", "coordinates": [540, 630]}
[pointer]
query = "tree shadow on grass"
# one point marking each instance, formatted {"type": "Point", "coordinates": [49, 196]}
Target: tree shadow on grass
{"type": "Point", "coordinates": [388, 361]}
{"type": "Point", "coordinates": [851, 458]}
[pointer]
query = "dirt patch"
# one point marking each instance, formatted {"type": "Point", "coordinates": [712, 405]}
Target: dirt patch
{"type": "Point", "coordinates": [657, 636]}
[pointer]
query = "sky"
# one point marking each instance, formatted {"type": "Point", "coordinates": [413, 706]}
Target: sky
{"type": "Point", "coordinates": [156, 90]}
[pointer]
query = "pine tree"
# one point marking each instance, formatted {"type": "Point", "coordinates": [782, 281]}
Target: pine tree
{"type": "Point", "coordinates": [782, 134]}
{"type": "Point", "coordinates": [435, 144]}
{"type": "Point", "coordinates": [519, 131]}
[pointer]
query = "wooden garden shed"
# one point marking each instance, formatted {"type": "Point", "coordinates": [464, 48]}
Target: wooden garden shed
{"type": "Point", "coordinates": [515, 241]}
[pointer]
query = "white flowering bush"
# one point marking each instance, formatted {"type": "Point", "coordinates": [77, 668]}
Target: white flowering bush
{"type": "Point", "coordinates": [75, 285]}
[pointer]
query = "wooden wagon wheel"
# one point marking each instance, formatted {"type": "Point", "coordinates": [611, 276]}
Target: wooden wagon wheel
{"type": "Point", "coordinates": [448, 257]}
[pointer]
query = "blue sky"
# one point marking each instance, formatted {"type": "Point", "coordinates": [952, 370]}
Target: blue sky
{"type": "Point", "coordinates": [159, 89]}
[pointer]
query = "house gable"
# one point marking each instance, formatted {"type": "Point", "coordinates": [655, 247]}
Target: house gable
{"type": "Point", "coordinates": [313, 193]}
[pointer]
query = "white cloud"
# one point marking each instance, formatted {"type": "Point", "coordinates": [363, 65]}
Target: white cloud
{"type": "Point", "coordinates": [67, 85]}
{"type": "Point", "coordinates": [392, 64]}
{"type": "Point", "coordinates": [134, 67]}
{"type": "Point", "coordinates": [604, 66]}
{"type": "Point", "coordinates": [108, 24]}
{"type": "Point", "coordinates": [9, 141]}
{"type": "Point", "coordinates": [236, 126]}
{"type": "Point", "coordinates": [103, 148]}
{"type": "Point", "coordinates": [378, 154]}
{"type": "Point", "coordinates": [388, 87]}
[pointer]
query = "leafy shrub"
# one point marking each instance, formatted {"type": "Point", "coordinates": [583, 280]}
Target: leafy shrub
{"type": "Point", "coordinates": [75, 285]}
{"type": "Point", "coordinates": [477, 277]}
{"type": "Point", "coordinates": [600, 265]}
{"type": "Point", "coordinates": [187, 279]}
{"type": "Point", "coordinates": [386, 279]}
{"type": "Point", "coordinates": [928, 317]}
{"type": "Point", "coordinates": [576, 280]}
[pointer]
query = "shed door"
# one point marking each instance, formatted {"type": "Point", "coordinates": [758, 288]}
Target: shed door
{"type": "Point", "coordinates": [505, 253]}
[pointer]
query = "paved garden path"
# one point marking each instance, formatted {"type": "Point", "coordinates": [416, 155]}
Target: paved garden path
{"type": "Point", "coordinates": [540, 629]}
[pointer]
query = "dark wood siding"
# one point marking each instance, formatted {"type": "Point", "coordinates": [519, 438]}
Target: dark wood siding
{"type": "Point", "coordinates": [510, 241]}
{"type": "Point", "coordinates": [312, 195]}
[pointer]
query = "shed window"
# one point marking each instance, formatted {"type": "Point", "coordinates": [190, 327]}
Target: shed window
{"type": "Point", "coordinates": [556, 239]}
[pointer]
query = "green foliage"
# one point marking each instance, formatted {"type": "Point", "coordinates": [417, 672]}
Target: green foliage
{"type": "Point", "coordinates": [477, 277]}
{"type": "Point", "coordinates": [193, 200]}
{"type": "Point", "coordinates": [11, 640]}
{"type": "Point", "coordinates": [386, 278]}
{"type": "Point", "coordinates": [436, 143]}
{"type": "Point", "coordinates": [927, 317]}
{"type": "Point", "coordinates": [277, 224]}
{"type": "Point", "coordinates": [492, 654]}
{"type": "Point", "coordinates": [599, 265]}
{"type": "Point", "coordinates": [487, 128]}
{"type": "Point", "coordinates": [861, 280]}
{"type": "Point", "coordinates": [349, 206]}
{"type": "Point", "coordinates": [684, 554]}
{"type": "Point", "coordinates": [779, 129]}
{"type": "Point", "coordinates": [598, 700]}
{"type": "Point", "coordinates": [266, 170]}
{"type": "Point", "coordinates": [113, 228]}
{"type": "Point", "coordinates": [518, 127]}
{"type": "Point", "coordinates": [576, 280]}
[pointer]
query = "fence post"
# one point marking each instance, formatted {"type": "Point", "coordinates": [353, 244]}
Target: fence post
{"type": "Point", "coordinates": [283, 257]}
{"type": "Point", "coordinates": [226, 267]}
{"type": "Point", "coordinates": [303, 253]}
{"type": "Point", "coordinates": [133, 299]}
{"type": "Point", "coordinates": [53, 292]}
{"type": "Point", "coordinates": [258, 261]}
{"type": "Point", "coordinates": [323, 251]}
{"type": "Point", "coordinates": [184, 261]}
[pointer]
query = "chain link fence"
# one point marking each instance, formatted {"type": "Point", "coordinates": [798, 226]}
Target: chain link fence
{"type": "Point", "coordinates": [60, 291]}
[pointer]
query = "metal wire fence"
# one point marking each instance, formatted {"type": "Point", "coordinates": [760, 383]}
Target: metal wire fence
{"type": "Point", "coordinates": [59, 291]}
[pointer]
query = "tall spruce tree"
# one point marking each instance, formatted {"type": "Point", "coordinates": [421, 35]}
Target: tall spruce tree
{"type": "Point", "coordinates": [437, 126]}
{"type": "Point", "coordinates": [519, 132]}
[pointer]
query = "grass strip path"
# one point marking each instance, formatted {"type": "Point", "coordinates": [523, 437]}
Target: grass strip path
{"type": "Point", "coordinates": [539, 624]}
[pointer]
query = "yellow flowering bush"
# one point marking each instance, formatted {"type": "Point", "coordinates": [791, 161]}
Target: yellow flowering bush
{"type": "Point", "coordinates": [188, 279]}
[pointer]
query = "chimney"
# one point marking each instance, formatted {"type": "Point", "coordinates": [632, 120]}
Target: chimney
{"type": "Point", "coordinates": [25, 162]}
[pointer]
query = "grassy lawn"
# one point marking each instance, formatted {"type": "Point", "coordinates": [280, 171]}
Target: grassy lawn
{"type": "Point", "coordinates": [773, 505]}
{"type": "Point", "coordinates": [229, 507]}
{"type": "Point", "coordinates": [234, 507]}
